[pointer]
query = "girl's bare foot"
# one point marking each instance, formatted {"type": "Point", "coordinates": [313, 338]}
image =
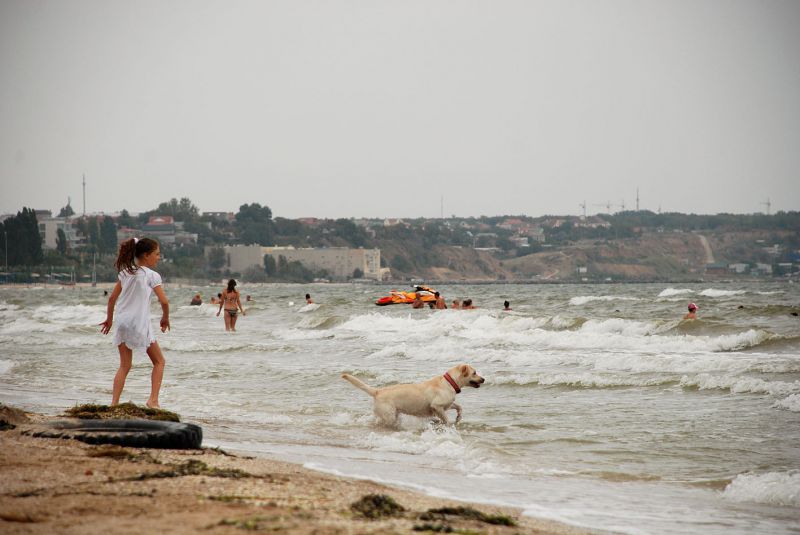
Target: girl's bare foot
{"type": "Point", "coordinates": [152, 405]}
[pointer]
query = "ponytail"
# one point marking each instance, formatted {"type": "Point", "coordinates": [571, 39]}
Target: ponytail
{"type": "Point", "coordinates": [130, 250]}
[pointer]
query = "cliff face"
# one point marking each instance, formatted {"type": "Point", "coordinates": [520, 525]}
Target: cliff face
{"type": "Point", "coordinates": [651, 256]}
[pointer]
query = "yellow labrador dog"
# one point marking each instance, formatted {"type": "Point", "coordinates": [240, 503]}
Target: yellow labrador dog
{"type": "Point", "coordinates": [431, 398]}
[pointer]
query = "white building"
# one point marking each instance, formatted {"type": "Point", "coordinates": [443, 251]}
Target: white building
{"type": "Point", "coordinates": [339, 262]}
{"type": "Point", "coordinates": [48, 230]}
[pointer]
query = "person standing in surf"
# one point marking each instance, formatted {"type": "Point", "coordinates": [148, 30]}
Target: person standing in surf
{"type": "Point", "coordinates": [692, 314]}
{"type": "Point", "coordinates": [232, 302]}
{"type": "Point", "coordinates": [136, 282]}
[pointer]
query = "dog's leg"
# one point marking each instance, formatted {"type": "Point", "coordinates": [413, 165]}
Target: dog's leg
{"type": "Point", "coordinates": [457, 407]}
{"type": "Point", "coordinates": [440, 413]}
{"type": "Point", "coordinates": [386, 413]}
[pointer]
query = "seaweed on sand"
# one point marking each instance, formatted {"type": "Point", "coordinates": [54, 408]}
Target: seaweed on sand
{"type": "Point", "coordinates": [467, 512]}
{"type": "Point", "coordinates": [123, 411]}
{"type": "Point", "coordinates": [374, 506]}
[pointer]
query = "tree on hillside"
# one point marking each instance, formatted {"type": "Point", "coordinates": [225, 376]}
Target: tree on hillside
{"type": "Point", "coordinates": [254, 224]}
{"type": "Point", "coordinates": [94, 234]}
{"type": "Point", "coordinates": [216, 258]}
{"type": "Point", "coordinates": [24, 242]}
{"type": "Point", "coordinates": [270, 266]}
{"type": "Point", "coordinates": [66, 211]}
{"type": "Point", "coordinates": [351, 232]}
{"type": "Point", "coordinates": [125, 219]}
{"type": "Point", "coordinates": [108, 236]}
{"type": "Point", "coordinates": [182, 210]}
{"type": "Point", "coordinates": [61, 242]}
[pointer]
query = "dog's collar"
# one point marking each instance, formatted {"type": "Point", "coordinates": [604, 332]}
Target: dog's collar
{"type": "Point", "coordinates": [452, 383]}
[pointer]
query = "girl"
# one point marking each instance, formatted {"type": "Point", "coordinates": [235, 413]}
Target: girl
{"type": "Point", "coordinates": [137, 281]}
{"type": "Point", "coordinates": [230, 300]}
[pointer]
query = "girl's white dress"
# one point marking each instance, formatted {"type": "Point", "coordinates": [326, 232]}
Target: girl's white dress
{"type": "Point", "coordinates": [133, 308]}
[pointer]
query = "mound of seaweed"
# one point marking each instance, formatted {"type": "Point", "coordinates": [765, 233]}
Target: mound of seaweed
{"type": "Point", "coordinates": [123, 411]}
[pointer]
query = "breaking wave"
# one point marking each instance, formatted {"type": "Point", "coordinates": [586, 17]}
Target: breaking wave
{"type": "Point", "coordinates": [672, 292]}
{"type": "Point", "coordinates": [772, 488]}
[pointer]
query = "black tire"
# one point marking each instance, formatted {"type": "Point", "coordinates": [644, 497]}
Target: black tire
{"type": "Point", "coordinates": [130, 433]}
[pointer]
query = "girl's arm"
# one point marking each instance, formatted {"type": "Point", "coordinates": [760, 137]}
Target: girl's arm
{"type": "Point", "coordinates": [239, 301]}
{"type": "Point", "coordinates": [221, 301]}
{"type": "Point", "coordinates": [162, 298]}
{"type": "Point", "coordinates": [112, 300]}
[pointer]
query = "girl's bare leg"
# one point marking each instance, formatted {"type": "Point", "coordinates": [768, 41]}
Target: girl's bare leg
{"type": "Point", "coordinates": [157, 357]}
{"type": "Point", "coordinates": [125, 361]}
{"type": "Point", "coordinates": [233, 322]}
{"type": "Point", "coordinates": [227, 321]}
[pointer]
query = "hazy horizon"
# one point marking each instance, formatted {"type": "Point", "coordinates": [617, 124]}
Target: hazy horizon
{"type": "Point", "coordinates": [356, 108]}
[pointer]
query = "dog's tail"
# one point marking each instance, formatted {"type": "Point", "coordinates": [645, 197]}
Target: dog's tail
{"type": "Point", "coordinates": [358, 384]}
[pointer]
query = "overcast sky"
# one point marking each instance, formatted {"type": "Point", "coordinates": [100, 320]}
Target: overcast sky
{"type": "Point", "coordinates": [384, 108]}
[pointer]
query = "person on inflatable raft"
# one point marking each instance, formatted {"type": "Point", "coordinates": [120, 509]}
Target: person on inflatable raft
{"type": "Point", "coordinates": [397, 297]}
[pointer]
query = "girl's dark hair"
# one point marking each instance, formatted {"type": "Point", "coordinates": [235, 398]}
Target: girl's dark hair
{"type": "Point", "coordinates": [231, 285]}
{"type": "Point", "coordinates": [130, 250]}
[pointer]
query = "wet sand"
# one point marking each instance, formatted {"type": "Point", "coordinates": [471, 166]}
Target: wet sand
{"type": "Point", "coordinates": [52, 485]}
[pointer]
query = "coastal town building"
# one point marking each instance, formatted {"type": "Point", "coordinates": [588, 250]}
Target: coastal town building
{"type": "Point", "coordinates": [339, 262]}
{"type": "Point", "coordinates": [167, 231]}
{"type": "Point", "coordinates": [49, 227]}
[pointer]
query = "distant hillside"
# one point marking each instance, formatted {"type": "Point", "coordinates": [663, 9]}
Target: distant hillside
{"type": "Point", "coordinates": [651, 256]}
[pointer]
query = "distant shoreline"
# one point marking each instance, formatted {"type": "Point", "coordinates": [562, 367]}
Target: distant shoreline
{"type": "Point", "coordinates": [399, 284]}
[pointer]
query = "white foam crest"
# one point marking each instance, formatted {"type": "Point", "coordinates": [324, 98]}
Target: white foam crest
{"type": "Point", "coordinates": [440, 443]}
{"type": "Point", "coordinates": [740, 385]}
{"type": "Point", "coordinates": [393, 350]}
{"type": "Point", "coordinates": [581, 379]}
{"type": "Point", "coordinates": [792, 403]}
{"type": "Point", "coordinates": [421, 324]}
{"type": "Point", "coordinates": [85, 341]}
{"type": "Point", "coordinates": [671, 292]}
{"type": "Point", "coordinates": [302, 334]}
{"type": "Point", "coordinates": [583, 299]}
{"type": "Point", "coordinates": [772, 488]}
{"type": "Point", "coordinates": [8, 306]}
{"type": "Point", "coordinates": [5, 366]}
{"type": "Point", "coordinates": [711, 292]}
{"type": "Point", "coordinates": [347, 419]}
{"type": "Point", "coordinates": [620, 326]}
{"type": "Point", "coordinates": [27, 325]}
{"type": "Point", "coordinates": [206, 309]}
{"type": "Point", "coordinates": [776, 292]}
{"type": "Point", "coordinates": [81, 314]}
{"type": "Point", "coordinates": [559, 322]}
{"type": "Point", "coordinates": [308, 307]}
{"type": "Point", "coordinates": [311, 322]}
{"type": "Point", "coordinates": [613, 334]}
{"type": "Point", "coordinates": [223, 343]}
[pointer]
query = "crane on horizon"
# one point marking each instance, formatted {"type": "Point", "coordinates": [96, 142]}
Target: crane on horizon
{"type": "Point", "coordinates": [767, 204]}
{"type": "Point", "coordinates": [607, 205]}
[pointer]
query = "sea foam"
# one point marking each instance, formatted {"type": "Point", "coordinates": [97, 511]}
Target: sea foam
{"type": "Point", "coordinates": [772, 488]}
{"type": "Point", "coordinates": [791, 403]}
{"type": "Point", "coordinates": [5, 366]}
{"type": "Point", "coordinates": [672, 292]}
{"type": "Point", "coordinates": [583, 299]}
{"type": "Point", "coordinates": [711, 292]}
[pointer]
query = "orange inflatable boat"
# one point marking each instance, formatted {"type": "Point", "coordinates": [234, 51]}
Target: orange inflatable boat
{"type": "Point", "coordinates": [398, 297]}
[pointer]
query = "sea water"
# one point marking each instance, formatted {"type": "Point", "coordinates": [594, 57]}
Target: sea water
{"type": "Point", "coordinates": [601, 407]}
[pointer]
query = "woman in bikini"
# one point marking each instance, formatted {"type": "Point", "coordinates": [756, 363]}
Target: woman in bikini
{"type": "Point", "coordinates": [230, 300]}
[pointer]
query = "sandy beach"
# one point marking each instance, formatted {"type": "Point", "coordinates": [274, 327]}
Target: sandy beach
{"type": "Point", "coordinates": [53, 485]}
